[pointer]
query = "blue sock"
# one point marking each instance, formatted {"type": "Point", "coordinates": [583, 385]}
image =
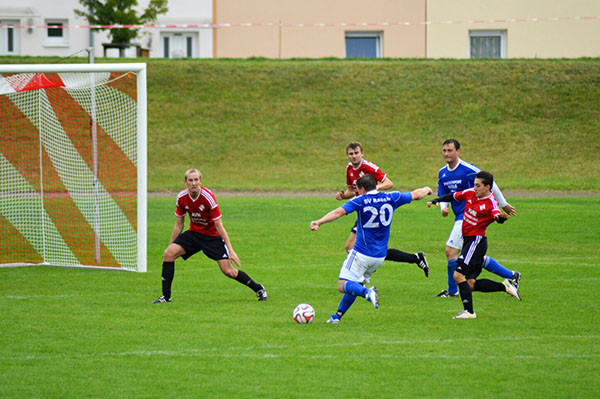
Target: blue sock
{"type": "Point", "coordinates": [452, 286]}
{"type": "Point", "coordinates": [345, 303]}
{"type": "Point", "coordinates": [354, 288]}
{"type": "Point", "coordinates": [491, 265]}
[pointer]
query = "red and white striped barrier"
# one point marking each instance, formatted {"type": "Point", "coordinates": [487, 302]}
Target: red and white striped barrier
{"type": "Point", "coordinates": [307, 25]}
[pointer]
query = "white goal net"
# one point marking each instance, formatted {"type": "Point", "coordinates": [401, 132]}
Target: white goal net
{"type": "Point", "coordinates": [73, 165]}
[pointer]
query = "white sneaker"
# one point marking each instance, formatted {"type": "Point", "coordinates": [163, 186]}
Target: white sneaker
{"type": "Point", "coordinates": [465, 314]}
{"type": "Point", "coordinates": [333, 320]}
{"type": "Point", "coordinates": [511, 289]}
{"type": "Point", "coordinates": [373, 297]}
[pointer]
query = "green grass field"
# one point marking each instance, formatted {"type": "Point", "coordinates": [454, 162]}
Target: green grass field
{"type": "Point", "coordinates": [74, 333]}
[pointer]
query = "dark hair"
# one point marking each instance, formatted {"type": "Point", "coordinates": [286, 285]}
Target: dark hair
{"type": "Point", "coordinates": [486, 178]}
{"type": "Point", "coordinates": [353, 145]}
{"type": "Point", "coordinates": [452, 141]}
{"type": "Point", "coordinates": [367, 182]}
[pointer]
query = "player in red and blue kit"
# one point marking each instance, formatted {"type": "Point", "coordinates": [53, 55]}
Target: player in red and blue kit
{"type": "Point", "coordinates": [459, 175]}
{"type": "Point", "coordinates": [481, 209]}
{"type": "Point", "coordinates": [356, 168]}
{"type": "Point", "coordinates": [206, 233]}
{"type": "Point", "coordinates": [374, 211]}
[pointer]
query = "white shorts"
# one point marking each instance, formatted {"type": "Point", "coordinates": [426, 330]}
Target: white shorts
{"type": "Point", "coordinates": [455, 240]}
{"type": "Point", "coordinates": [358, 267]}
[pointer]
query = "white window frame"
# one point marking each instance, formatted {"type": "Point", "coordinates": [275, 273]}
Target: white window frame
{"type": "Point", "coordinates": [54, 41]}
{"type": "Point", "coordinates": [496, 33]}
{"type": "Point", "coordinates": [16, 37]}
{"type": "Point", "coordinates": [378, 35]}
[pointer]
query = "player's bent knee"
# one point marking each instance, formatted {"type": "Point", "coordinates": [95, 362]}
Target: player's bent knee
{"type": "Point", "coordinates": [227, 269]}
{"type": "Point", "coordinates": [341, 285]}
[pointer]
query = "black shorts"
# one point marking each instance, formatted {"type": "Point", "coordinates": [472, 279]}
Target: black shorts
{"type": "Point", "coordinates": [470, 261]}
{"type": "Point", "coordinates": [353, 229]}
{"type": "Point", "coordinates": [192, 242]}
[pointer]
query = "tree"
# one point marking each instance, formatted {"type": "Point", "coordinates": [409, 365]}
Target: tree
{"type": "Point", "coordinates": [120, 12]}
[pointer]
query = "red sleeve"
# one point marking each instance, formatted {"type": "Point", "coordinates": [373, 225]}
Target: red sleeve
{"type": "Point", "coordinates": [215, 213]}
{"type": "Point", "coordinates": [459, 195]}
{"type": "Point", "coordinates": [180, 208]}
{"type": "Point", "coordinates": [379, 175]}
{"type": "Point", "coordinates": [348, 181]}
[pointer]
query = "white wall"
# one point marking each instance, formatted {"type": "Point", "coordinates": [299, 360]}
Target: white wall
{"type": "Point", "coordinates": [33, 42]}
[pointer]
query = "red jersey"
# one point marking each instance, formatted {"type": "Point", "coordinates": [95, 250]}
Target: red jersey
{"type": "Point", "coordinates": [365, 168]}
{"type": "Point", "coordinates": [479, 212]}
{"type": "Point", "coordinates": [203, 211]}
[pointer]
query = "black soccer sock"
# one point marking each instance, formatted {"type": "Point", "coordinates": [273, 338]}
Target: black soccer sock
{"type": "Point", "coordinates": [466, 296]}
{"type": "Point", "coordinates": [485, 285]}
{"type": "Point", "coordinates": [399, 256]}
{"type": "Point", "coordinates": [168, 271]}
{"type": "Point", "coordinates": [247, 280]}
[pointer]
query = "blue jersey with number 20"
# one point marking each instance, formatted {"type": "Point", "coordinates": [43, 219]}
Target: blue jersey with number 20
{"type": "Point", "coordinates": [375, 211]}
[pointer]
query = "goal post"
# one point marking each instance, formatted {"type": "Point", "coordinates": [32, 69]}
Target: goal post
{"type": "Point", "coordinates": [73, 166]}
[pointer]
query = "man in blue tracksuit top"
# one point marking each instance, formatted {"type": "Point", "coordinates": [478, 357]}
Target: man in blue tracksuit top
{"type": "Point", "coordinates": [375, 211]}
{"type": "Point", "coordinates": [459, 175]}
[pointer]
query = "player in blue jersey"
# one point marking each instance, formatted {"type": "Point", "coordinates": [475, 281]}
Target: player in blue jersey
{"type": "Point", "coordinates": [459, 175]}
{"type": "Point", "coordinates": [375, 211]}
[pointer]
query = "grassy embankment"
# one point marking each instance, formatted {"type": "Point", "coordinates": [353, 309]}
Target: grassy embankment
{"type": "Point", "coordinates": [261, 125]}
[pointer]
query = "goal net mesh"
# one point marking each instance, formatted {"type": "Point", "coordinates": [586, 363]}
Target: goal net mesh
{"type": "Point", "coordinates": [68, 169]}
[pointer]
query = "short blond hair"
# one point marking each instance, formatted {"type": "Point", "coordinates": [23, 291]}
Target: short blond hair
{"type": "Point", "coordinates": [192, 170]}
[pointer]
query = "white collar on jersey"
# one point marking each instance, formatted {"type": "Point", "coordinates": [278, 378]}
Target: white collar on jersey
{"type": "Point", "coordinates": [458, 163]}
{"type": "Point", "coordinates": [373, 192]}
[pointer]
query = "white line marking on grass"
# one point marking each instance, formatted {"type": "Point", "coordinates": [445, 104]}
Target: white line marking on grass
{"type": "Point", "coordinates": [251, 351]}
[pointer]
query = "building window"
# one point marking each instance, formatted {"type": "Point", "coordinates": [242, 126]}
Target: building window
{"type": "Point", "coordinates": [363, 44]}
{"type": "Point", "coordinates": [166, 51]}
{"type": "Point", "coordinates": [179, 45]}
{"type": "Point", "coordinates": [56, 34]}
{"type": "Point", "coordinates": [9, 38]}
{"type": "Point", "coordinates": [487, 43]}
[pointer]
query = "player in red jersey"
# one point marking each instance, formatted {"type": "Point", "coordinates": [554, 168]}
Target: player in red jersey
{"type": "Point", "coordinates": [481, 209]}
{"type": "Point", "coordinates": [358, 167]}
{"type": "Point", "coordinates": [206, 233]}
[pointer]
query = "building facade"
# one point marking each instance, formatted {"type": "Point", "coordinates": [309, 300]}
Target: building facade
{"type": "Point", "coordinates": [531, 29]}
{"type": "Point", "coordinates": [63, 42]}
{"type": "Point", "coordinates": [288, 28]}
{"type": "Point", "coordinates": [317, 28]}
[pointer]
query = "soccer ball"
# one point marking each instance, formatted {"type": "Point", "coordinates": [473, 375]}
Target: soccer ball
{"type": "Point", "coordinates": [304, 314]}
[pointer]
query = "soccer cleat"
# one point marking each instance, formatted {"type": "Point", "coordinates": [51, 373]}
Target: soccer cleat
{"type": "Point", "coordinates": [333, 319]}
{"type": "Point", "coordinates": [372, 297]}
{"type": "Point", "coordinates": [161, 299]}
{"type": "Point", "coordinates": [516, 279]}
{"type": "Point", "coordinates": [262, 294]}
{"type": "Point", "coordinates": [423, 263]}
{"type": "Point", "coordinates": [446, 294]}
{"type": "Point", "coordinates": [465, 314]}
{"type": "Point", "coordinates": [511, 289]}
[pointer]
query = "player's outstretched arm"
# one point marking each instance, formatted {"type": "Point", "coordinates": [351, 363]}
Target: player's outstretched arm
{"type": "Point", "coordinates": [443, 198]}
{"type": "Point", "coordinates": [330, 217]}
{"type": "Point", "coordinates": [421, 193]}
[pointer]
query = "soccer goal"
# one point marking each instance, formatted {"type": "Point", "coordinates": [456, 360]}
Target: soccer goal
{"type": "Point", "coordinates": [73, 165]}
